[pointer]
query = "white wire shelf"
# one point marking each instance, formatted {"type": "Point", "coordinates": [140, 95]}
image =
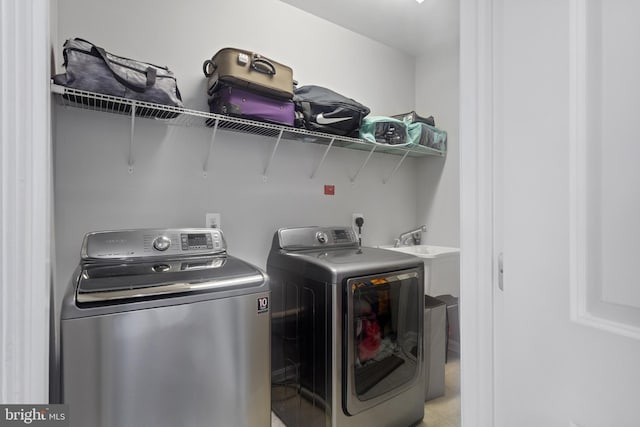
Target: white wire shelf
{"type": "Point", "coordinates": [177, 116]}
{"type": "Point", "coordinates": [187, 117]}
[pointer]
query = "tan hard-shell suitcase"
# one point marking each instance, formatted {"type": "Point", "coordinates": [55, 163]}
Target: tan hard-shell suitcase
{"type": "Point", "coordinates": [246, 69]}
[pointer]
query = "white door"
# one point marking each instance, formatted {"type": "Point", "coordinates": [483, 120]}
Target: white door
{"type": "Point", "coordinates": [566, 153]}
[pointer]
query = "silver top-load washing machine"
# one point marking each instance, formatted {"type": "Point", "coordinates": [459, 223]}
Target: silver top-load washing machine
{"type": "Point", "coordinates": [161, 328]}
{"type": "Point", "coordinates": [347, 325]}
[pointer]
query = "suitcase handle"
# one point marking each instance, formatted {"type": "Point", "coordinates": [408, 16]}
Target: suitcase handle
{"type": "Point", "coordinates": [209, 67]}
{"type": "Point", "coordinates": [263, 65]}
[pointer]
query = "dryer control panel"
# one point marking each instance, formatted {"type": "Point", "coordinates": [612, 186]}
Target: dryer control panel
{"type": "Point", "coordinates": [152, 243]}
{"type": "Point", "coordinates": [316, 237]}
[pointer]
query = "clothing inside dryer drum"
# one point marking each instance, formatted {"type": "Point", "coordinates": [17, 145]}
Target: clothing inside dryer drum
{"type": "Point", "coordinates": [386, 331]}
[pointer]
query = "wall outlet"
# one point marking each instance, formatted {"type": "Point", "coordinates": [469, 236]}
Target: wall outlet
{"type": "Point", "coordinates": [353, 221]}
{"type": "Point", "coordinates": [212, 220]}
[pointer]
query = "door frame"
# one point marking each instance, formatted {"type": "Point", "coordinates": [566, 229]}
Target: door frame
{"type": "Point", "coordinates": [477, 214]}
{"type": "Point", "coordinates": [25, 201]}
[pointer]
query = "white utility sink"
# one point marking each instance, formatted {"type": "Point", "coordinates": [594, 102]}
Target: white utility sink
{"type": "Point", "coordinates": [425, 251]}
{"type": "Point", "coordinates": [441, 267]}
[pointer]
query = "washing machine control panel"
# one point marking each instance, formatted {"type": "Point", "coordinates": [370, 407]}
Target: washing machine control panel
{"type": "Point", "coordinates": [152, 243]}
{"type": "Point", "coordinates": [314, 237]}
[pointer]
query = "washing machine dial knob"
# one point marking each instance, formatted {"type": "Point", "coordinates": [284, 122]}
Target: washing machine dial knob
{"type": "Point", "coordinates": [161, 243]}
{"type": "Point", "coordinates": [322, 237]}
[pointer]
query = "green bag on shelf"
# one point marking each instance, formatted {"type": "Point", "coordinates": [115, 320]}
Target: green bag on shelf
{"type": "Point", "coordinates": [427, 136]}
{"type": "Point", "coordinates": [384, 130]}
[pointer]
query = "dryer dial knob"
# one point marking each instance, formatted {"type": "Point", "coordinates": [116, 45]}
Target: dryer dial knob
{"type": "Point", "coordinates": [322, 237]}
{"type": "Point", "coordinates": [161, 243]}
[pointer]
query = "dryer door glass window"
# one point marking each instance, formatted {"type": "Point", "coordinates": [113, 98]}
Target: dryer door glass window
{"type": "Point", "coordinates": [383, 336]}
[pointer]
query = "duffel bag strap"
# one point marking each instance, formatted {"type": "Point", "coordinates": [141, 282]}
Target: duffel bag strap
{"type": "Point", "coordinates": [150, 73]}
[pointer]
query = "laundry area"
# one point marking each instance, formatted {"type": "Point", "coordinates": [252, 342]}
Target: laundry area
{"type": "Point", "coordinates": [309, 271]}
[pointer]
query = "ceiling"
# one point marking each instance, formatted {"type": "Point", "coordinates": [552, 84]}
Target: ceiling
{"type": "Point", "coordinates": [402, 24]}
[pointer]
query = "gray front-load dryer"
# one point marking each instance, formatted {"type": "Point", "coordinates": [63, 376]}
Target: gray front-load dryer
{"type": "Point", "coordinates": [347, 325]}
{"type": "Point", "coordinates": [161, 328]}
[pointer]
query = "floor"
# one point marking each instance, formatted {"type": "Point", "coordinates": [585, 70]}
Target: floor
{"type": "Point", "coordinates": [443, 411]}
{"type": "Point", "coordinates": [275, 421]}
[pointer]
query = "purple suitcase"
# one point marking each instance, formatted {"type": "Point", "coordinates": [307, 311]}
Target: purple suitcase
{"type": "Point", "coordinates": [236, 102]}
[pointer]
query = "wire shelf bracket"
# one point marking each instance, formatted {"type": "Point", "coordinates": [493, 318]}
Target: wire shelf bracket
{"type": "Point", "coordinates": [353, 178]}
{"type": "Point", "coordinates": [265, 175]}
{"type": "Point", "coordinates": [324, 156]}
{"type": "Point", "coordinates": [384, 181]}
{"type": "Point", "coordinates": [132, 159]}
{"type": "Point", "coordinates": [205, 166]}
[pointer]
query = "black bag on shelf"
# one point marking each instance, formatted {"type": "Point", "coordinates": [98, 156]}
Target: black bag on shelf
{"type": "Point", "coordinates": [413, 117]}
{"type": "Point", "coordinates": [324, 110]}
{"type": "Point", "coordinates": [91, 68]}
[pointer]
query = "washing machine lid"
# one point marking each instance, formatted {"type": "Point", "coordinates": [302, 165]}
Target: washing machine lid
{"type": "Point", "coordinates": [110, 283]}
{"type": "Point", "coordinates": [349, 261]}
{"type": "Point", "coordinates": [330, 253]}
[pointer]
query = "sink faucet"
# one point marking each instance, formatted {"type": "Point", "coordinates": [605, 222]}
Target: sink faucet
{"type": "Point", "coordinates": [414, 235]}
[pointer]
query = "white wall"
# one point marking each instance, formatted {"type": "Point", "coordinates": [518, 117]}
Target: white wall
{"type": "Point", "coordinates": [93, 189]}
{"type": "Point", "coordinates": [437, 93]}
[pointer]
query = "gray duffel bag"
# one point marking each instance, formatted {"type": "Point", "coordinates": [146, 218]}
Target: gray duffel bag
{"type": "Point", "coordinates": [91, 68]}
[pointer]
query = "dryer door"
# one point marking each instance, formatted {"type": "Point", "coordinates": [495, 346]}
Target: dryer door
{"type": "Point", "coordinates": [382, 337]}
